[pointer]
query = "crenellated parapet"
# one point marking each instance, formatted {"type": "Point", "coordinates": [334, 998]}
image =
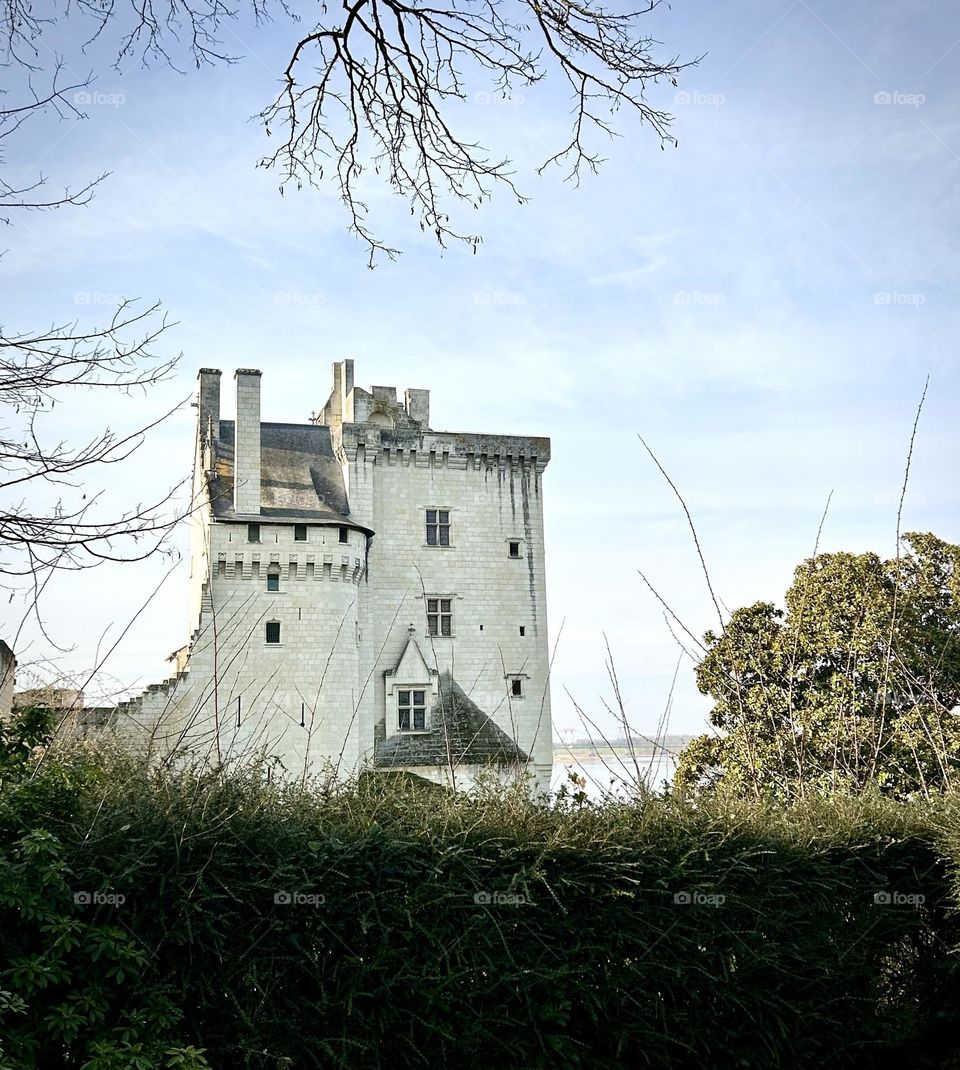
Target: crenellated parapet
{"type": "Point", "coordinates": [368, 443]}
{"type": "Point", "coordinates": [306, 568]}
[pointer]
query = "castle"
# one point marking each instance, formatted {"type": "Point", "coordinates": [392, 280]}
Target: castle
{"type": "Point", "coordinates": [365, 593]}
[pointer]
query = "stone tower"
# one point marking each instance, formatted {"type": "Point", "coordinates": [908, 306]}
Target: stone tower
{"type": "Point", "coordinates": [366, 593]}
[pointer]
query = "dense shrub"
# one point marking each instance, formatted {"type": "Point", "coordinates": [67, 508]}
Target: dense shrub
{"type": "Point", "coordinates": [377, 926]}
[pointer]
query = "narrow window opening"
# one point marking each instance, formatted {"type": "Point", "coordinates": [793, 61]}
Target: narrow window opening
{"type": "Point", "coordinates": [299, 532]}
{"type": "Point", "coordinates": [514, 549]}
{"type": "Point", "coordinates": [238, 710]}
{"type": "Point", "coordinates": [523, 630]}
{"type": "Point", "coordinates": [273, 581]}
{"type": "Point", "coordinates": [299, 613]}
{"type": "Point", "coordinates": [273, 631]}
{"type": "Point", "coordinates": [302, 712]}
{"type": "Point", "coordinates": [481, 627]}
{"type": "Point", "coordinates": [344, 534]}
{"type": "Point", "coordinates": [516, 687]}
{"type": "Point", "coordinates": [253, 532]}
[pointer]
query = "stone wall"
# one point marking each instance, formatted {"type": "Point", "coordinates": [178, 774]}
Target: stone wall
{"type": "Point", "coordinates": [345, 602]}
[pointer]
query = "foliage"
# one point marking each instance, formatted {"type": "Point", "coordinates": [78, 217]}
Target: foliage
{"type": "Point", "coordinates": [853, 684]}
{"type": "Point", "coordinates": [373, 925]}
{"type": "Point", "coordinates": [22, 734]}
{"type": "Point", "coordinates": [66, 972]}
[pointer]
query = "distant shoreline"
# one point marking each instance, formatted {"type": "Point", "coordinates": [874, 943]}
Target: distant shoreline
{"type": "Point", "coordinates": [583, 752]}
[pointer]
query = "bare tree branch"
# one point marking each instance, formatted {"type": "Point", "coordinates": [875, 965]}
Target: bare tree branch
{"type": "Point", "coordinates": [375, 88]}
{"type": "Point", "coordinates": [72, 532]}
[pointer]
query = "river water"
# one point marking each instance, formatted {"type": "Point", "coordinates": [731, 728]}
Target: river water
{"type": "Point", "coordinates": [611, 773]}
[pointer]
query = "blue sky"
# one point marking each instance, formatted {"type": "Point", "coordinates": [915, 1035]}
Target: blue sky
{"type": "Point", "coordinates": [762, 304]}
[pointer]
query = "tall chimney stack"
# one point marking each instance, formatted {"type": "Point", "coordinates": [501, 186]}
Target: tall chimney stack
{"type": "Point", "coordinates": [208, 403]}
{"type": "Point", "coordinates": [246, 444]}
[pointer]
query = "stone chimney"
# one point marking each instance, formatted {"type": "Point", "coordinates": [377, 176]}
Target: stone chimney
{"type": "Point", "coordinates": [246, 443]}
{"type": "Point", "coordinates": [208, 403]}
{"type": "Point", "coordinates": [417, 404]}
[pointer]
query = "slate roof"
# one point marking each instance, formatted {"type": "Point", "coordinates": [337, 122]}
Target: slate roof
{"type": "Point", "coordinates": [299, 474]}
{"type": "Point", "coordinates": [474, 739]}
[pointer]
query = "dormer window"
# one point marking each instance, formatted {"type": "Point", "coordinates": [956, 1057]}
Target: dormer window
{"type": "Point", "coordinates": [411, 711]}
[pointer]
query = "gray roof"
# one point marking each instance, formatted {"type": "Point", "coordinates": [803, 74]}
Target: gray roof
{"type": "Point", "coordinates": [299, 474]}
{"type": "Point", "coordinates": [459, 731]}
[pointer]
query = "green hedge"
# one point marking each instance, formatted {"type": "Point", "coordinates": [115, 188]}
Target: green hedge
{"type": "Point", "coordinates": [429, 931]}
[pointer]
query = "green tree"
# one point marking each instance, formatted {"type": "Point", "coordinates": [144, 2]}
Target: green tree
{"type": "Point", "coordinates": [853, 684]}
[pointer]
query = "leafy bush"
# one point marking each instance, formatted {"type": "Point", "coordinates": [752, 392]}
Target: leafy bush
{"type": "Point", "coordinates": [372, 926]}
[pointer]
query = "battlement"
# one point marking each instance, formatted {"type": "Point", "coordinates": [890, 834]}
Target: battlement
{"type": "Point", "coordinates": [445, 449]}
{"type": "Point", "coordinates": [349, 404]}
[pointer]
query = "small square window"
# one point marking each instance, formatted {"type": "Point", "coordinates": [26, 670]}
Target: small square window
{"type": "Point", "coordinates": [344, 534]}
{"type": "Point", "coordinates": [514, 549]}
{"type": "Point", "coordinates": [273, 631]}
{"type": "Point", "coordinates": [253, 532]}
{"type": "Point", "coordinates": [299, 532]}
{"type": "Point", "coordinates": [516, 687]}
{"type": "Point", "coordinates": [273, 581]}
{"type": "Point", "coordinates": [438, 527]}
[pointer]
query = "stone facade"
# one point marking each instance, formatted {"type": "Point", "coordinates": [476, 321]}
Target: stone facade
{"type": "Point", "coordinates": [8, 674]}
{"type": "Point", "coordinates": [362, 587]}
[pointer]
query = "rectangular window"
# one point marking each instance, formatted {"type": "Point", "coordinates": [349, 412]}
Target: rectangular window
{"type": "Point", "coordinates": [411, 710]}
{"type": "Point", "coordinates": [514, 549]}
{"type": "Point", "coordinates": [273, 631]}
{"type": "Point", "coordinates": [516, 687]}
{"type": "Point", "coordinates": [440, 616]}
{"type": "Point", "coordinates": [253, 532]}
{"type": "Point", "coordinates": [438, 527]}
{"type": "Point", "coordinates": [273, 581]}
{"type": "Point", "coordinates": [299, 532]}
{"type": "Point", "coordinates": [344, 534]}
